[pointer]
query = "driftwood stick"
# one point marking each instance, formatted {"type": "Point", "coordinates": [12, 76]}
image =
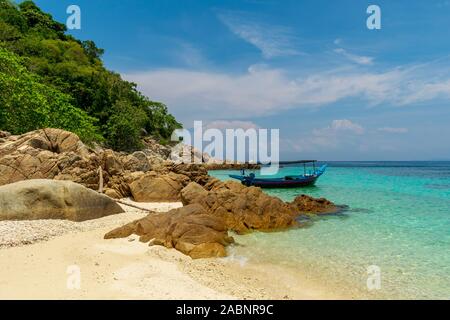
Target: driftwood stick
{"type": "Point", "coordinates": [133, 206]}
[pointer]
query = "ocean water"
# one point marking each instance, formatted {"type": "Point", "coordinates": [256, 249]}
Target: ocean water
{"type": "Point", "coordinates": [398, 220]}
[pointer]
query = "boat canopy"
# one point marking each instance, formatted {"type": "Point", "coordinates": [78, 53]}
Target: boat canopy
{"type": "Point", "coordinates": [291, 162]}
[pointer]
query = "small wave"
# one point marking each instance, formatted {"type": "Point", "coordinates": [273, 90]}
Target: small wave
{"type": "Point", "coordinates": [438, 186]}
{"type": "Point", "coordinates": [360, 210]}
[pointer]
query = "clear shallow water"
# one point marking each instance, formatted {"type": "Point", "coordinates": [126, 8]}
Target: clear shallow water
{"type": "Point", "coordinates": [399, 220]}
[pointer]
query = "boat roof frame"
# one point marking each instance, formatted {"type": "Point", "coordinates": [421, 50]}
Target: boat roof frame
{"type": "Point", "coordinates": [291, 162]}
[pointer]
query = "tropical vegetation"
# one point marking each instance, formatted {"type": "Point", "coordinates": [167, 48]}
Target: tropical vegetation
{"type": "Point", "coordinates": [50, 79]}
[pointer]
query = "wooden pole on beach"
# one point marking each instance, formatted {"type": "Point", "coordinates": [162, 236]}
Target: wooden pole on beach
{"type": "Point", "coordinates": [100, 179]}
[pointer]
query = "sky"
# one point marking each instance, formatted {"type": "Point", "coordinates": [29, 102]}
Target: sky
{"type": "Point", "coordinates": [335, 89]}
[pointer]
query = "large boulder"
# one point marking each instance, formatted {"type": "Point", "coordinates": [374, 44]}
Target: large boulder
{"type": "Point", "coordinates": [51, 199]}
{"type": "Point", "coordinates": [153, 187]}
{"type": "Point", "coordinates": [192, 193]}
{"type": "Point", "coordinates": [41, 154]}
{"type": "Point", "coordinates": [52, 140]}
{"type": "Point", "coordinates": [190, 230]}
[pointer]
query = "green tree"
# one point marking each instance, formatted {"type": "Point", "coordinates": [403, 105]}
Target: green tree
{"type": "Point", "coordinates": [124, 126]}
{"type": "Point", "coordinates": [11, 16]}
{"type": "Point", "coordinates": [91, 50]}
{"type": "Point", "coordinates": [73, 68]}
{"type": "Point", "coordinates": [26, 104]}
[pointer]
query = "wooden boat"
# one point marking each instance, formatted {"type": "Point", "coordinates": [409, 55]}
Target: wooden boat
{"type": "Point", "coordinates": [295, 181]}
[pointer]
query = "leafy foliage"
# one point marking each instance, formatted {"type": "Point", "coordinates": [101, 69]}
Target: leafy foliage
{"type": "Point", "coordinates": [26, 104]}
{"type": "Point", "coordinates": [124, 126]}
{"type": "Point", "coordinates": [53, 64]}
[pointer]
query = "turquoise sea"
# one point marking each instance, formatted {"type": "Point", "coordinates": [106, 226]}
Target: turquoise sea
{"type": "Point", "coordinates": [398, 220]}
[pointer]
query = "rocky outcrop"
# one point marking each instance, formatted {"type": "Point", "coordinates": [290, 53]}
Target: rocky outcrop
{"type": "Point", "coordinates": [153, 187]}
{"type": "Point", "coordinates": [36, 155]}
{"type": "Point", "coordinates": [195, 172]}
{"type": "Point", "coordinates": [199, 229]}
{"type": "Point", "coordinates": [308, 205]}
{"type": "Point", "coordinates": [189, 229]}
{"type": "Point", "coordinates": [4, 134]}
{"type": "Point", "coordinates": [50, 199]}
{"type": "Point", "coordinates": [182, 153]}
{"type": "Point", "coordinates": [193, 193]}
{"type": "Point", "coordinates": [242, 208]}
{"type": "Point", "coordinates": [231, 166]}
{"type": "Point", "coordinates": [153, 149]}
{"type": "Point", "coordinates": [60, 155]}
{"type": "Point", "coordinates": [137, 161]}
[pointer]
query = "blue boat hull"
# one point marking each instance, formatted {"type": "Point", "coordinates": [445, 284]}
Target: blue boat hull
{"type": "Point", "coordinates": [285, 182]}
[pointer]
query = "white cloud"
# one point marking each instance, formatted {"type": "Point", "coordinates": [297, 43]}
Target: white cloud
{"type": "Point", "coordinates": [273, 41]}
{"type": "Point", "coordinates": [363, 60]}
{"type": "Point", "coordinates": [427, 91]}
{"type": "Point", "coordinates": [393, 130]}
{"type": "Point", "coordinates": [346, 125]}
{"type": "Point", "coordinates": [338, 133]}
{"type": "Point", "coordinates": [259, 92]}
{"type": "Point", "coordinates": [213, 95]}
{"type": "Point", "coordinates": [189, 55]}
{"type": "Point", "coordinates": [329, 136]}
{"type": "Point", "coordinates": [263, 91]}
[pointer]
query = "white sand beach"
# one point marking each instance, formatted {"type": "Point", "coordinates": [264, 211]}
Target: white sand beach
{"type": "Point", "coordinates": [39, 258]}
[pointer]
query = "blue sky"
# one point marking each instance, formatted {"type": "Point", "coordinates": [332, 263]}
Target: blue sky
{"type": "Point", "coordinates": [335, 89]}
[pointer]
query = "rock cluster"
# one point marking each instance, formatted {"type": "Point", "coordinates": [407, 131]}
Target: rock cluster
{"type": "Point", "coordinates": [188, 154]}
{"type": "Point", "coordinates": [60, 155]}
{"type": "Point", "coordinates": [154, 187]}
{"type": "Point", "coordinates": [147, 175]}
{"type": "Point", "coordinates": [243, 208]}
{"type": "Point", "coordinates": [200, 228]}
{"type": "Point", "coordinates": [312, 206]}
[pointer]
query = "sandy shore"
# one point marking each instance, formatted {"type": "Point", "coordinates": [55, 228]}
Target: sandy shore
{"type": "Point", "coordinates": [16, 233]}
{"type": "Point", "coordinates": [76, 254]}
